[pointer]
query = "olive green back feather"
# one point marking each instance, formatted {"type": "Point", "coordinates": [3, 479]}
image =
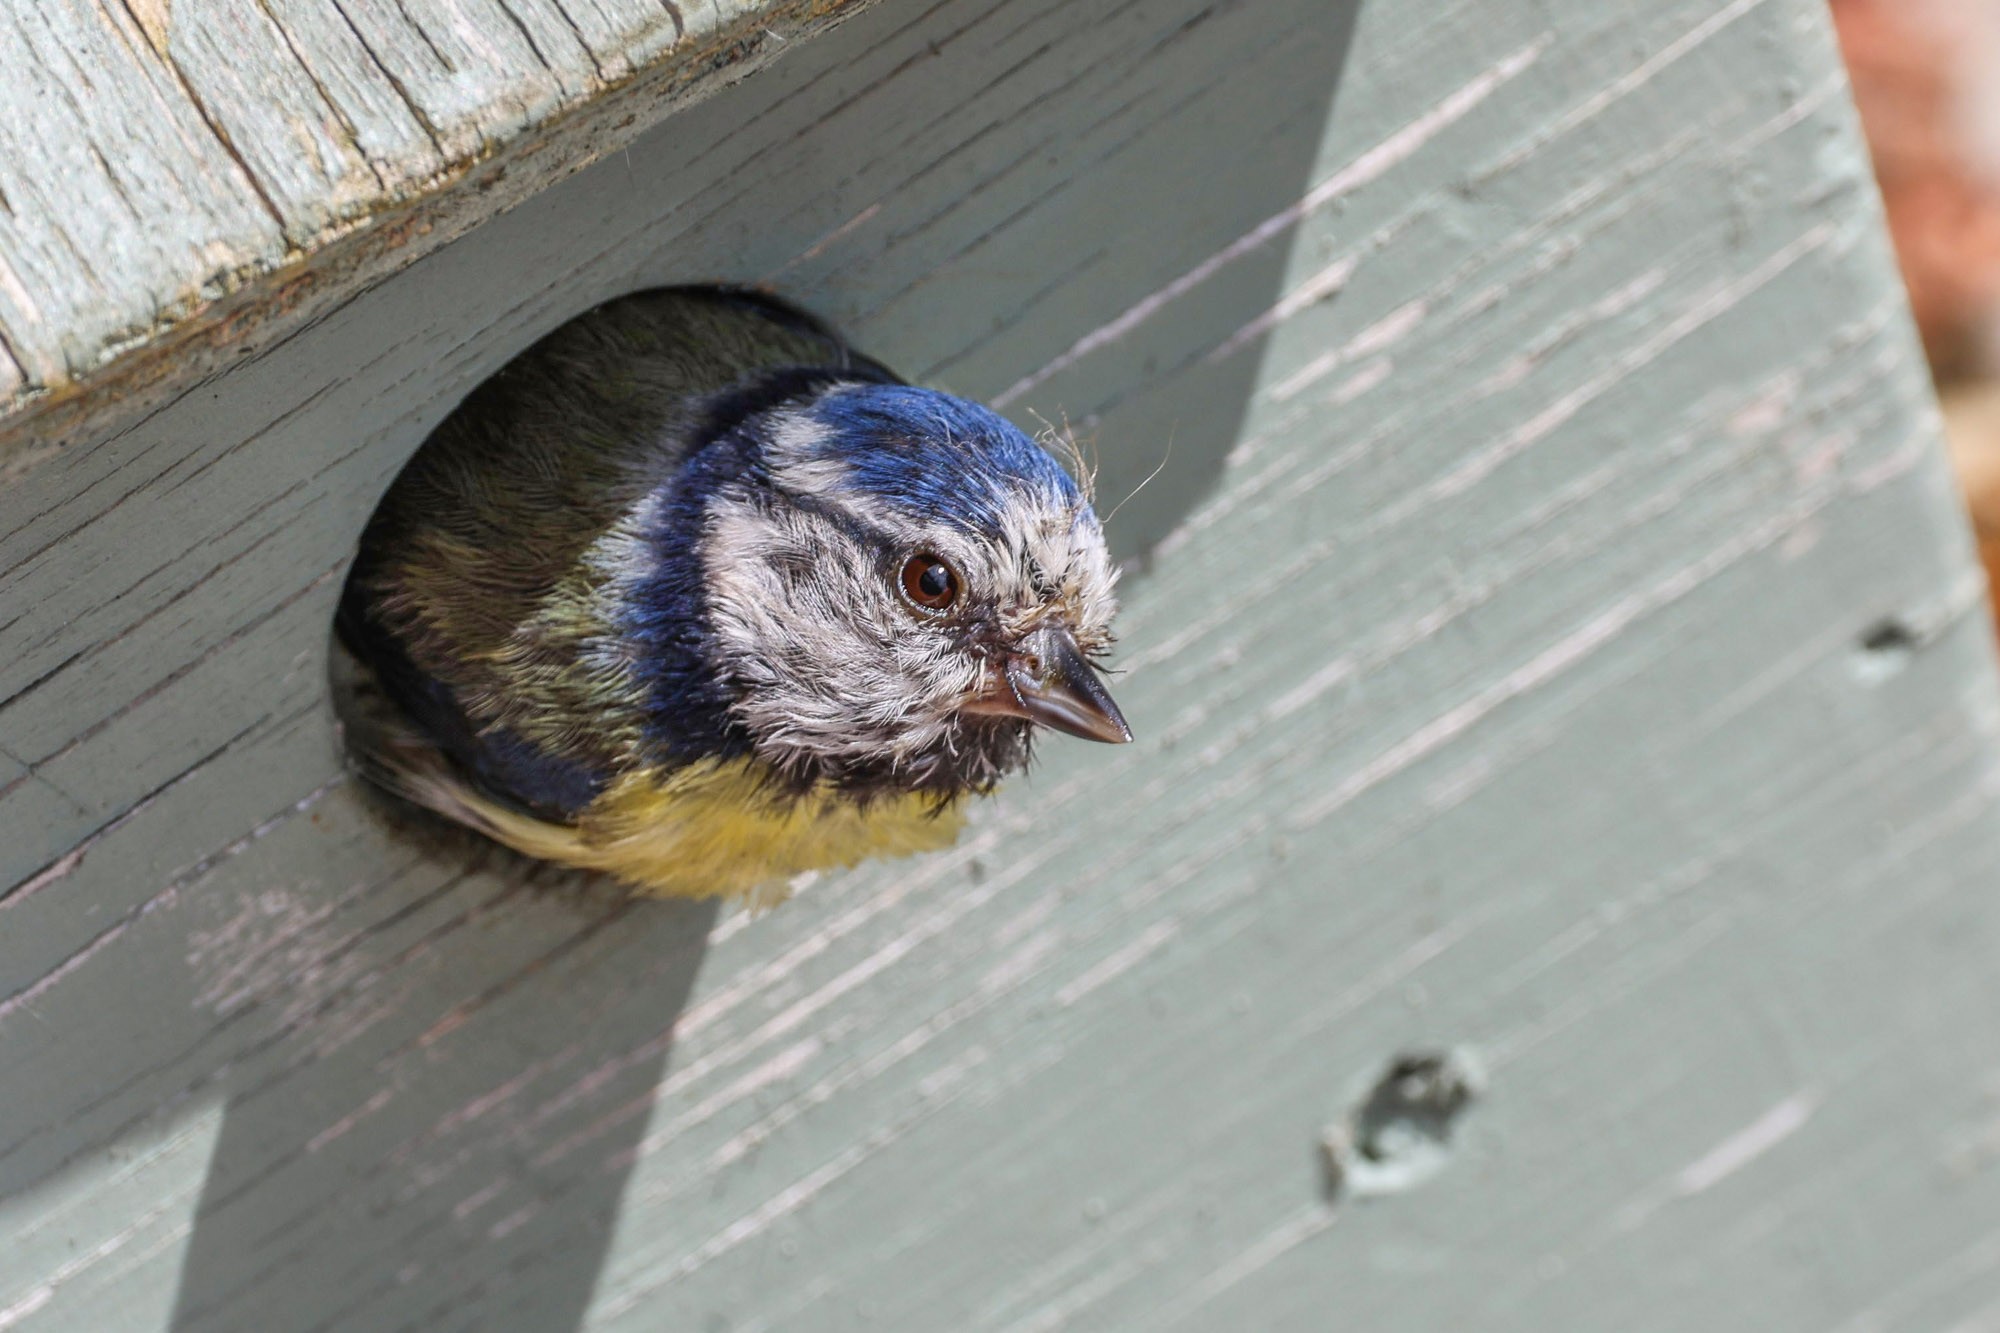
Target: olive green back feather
{"type": "Point", "coordinates": [487, 559]}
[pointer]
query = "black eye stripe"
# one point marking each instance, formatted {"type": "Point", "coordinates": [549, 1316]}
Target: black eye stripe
{"type": "Point", "coordinates": [851, 524]}
{"type": "Point", "coordinates": [869, 534]}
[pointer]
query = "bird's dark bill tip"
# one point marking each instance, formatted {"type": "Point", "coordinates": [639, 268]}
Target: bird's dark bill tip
{"type": "Point", "coordinates": [1054, 685]}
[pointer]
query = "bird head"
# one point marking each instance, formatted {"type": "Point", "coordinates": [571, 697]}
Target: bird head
{"type": "Point", "coordinates": [901, 586]}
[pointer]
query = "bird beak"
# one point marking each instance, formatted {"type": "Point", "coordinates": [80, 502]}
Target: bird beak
{"type": "Point", "coordinates": [1049, 680]}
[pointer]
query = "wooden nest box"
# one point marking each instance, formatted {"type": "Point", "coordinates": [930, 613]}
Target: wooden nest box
{"type": "Point", "coordinates": [1554, 886]}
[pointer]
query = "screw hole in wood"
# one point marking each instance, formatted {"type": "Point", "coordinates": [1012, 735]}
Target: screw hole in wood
{"type": "Point", "coordinates": [1399, 1134]}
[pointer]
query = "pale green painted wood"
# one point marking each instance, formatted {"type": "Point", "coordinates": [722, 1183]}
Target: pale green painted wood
{"type": "Point", "coordinates": [1557, 639]}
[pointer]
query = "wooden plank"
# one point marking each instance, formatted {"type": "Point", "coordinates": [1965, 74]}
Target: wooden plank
{"type": "Point", "coordinates": [184, 181]}
{"type": "Point", "coordinates": [1552, 635]}
{"type": "Point", "coordinates": [140, 189]}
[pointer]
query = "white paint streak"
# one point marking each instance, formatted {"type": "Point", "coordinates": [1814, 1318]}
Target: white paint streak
{"type": "Point", "coordinates": [1747, 1144]}
{"type": "Point", "coordinates": [1024, 962]}
{"type": "Point", "coordinates": [1001, 981]}
{"type": "Point", "coordinates": [1724, 1160]}
{"type": "Point", "coordinates": [1361, 381]}
{"type": "Point", "coordinates": [885, 956]}
{"type": "Point", "coordinates": [943, 1089]}
{"type": "Point", "coordinates": [1321, 286]}
{"type": "Point", "coordinates": [1119, 961]}
{"type": "Point", "coordinates": [1797, 113]}
{"type": "Point", "coordinates": [350, 1120]}
{"type": "Point", "coordinates": [838, 234]}
{"type": "Point", "coordinates": [168, 1213]}
{"type": "Point", "coordinates": [757, 981]}
{"type": "Point", "coordinates": [514, 1221]}
{"type": "Point", "coordinates": [23, 999]}
{"type": "Point", "coordinates": [1916, 447]}
{"type": "Point", "coordinates": [1004, 978]}
{"type": "Point", "coordinates": [1544, 667]}
{"type": "Point", "coordinates": [1384, 333]}
{"type": "Point", "coordinates": [786, 1201]}
{"type": "Point", "coordinates": [1334, 674]}
{"type": "Point", "coordinates": [60, 869]}
{"type": "Point", "coordinates": [1288, 1235]}
{"type": "Point", "coordinates": [1010, 973]}
{"type": "Point", "coordinates": [478, 1199]}
{"type": "Point", "coordinates": [1609, 306]}
{"type": "Point", "coordinates": [36, 1298]}
{"type": "Point", "coordinates": [1628, 83]}
{"type": "Point", "coordinates": [1769, 409]}
{"type": "Point", "coordinates": [1372, 164]}
{"type": "Point", "coordinates": [15, 895]}
{"type": "Point", "coordinates": [1106, 1278]}
{"type": "Point", "coordinates": [1481, 464]}
{"type": "Point", "coordinates": [784, 1065]}
{"type": "Point", "coordinates": [1116, 1233]}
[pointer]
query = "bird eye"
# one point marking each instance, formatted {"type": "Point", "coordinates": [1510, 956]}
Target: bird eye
{"type": "Point", "coordinates": [929, 581]}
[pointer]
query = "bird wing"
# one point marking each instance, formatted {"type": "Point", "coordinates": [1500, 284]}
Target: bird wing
{"type": "Point", "coordinates": [473, 600]}
{"type": "Point", "coordinates": [712, 830]}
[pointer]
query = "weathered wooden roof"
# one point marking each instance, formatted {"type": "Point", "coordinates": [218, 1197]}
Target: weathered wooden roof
{"type": "Point", "coordinates": [181, 181]}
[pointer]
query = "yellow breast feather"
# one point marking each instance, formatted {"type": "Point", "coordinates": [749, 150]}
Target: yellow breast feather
{"type": "Point", "coordinates": [717, 830]}
{"type": "Point", "coordinates": [713, 829]}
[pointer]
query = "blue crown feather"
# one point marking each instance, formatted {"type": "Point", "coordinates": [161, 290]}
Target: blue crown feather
{"type": "Point", "coordinates": [890, 437]}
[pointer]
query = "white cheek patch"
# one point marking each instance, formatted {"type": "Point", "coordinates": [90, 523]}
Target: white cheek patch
{"type": "Point", "coordinates": [823, 659]}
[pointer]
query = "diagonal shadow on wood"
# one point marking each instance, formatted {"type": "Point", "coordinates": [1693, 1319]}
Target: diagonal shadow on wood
{"type": "Point", "coordinates": [437, 1062]}
{"type": "Point", "coordinates": [475, 1064]}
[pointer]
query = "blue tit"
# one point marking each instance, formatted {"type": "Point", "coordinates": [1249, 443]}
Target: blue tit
{"type": "Point", "coordinates": [693, 593]}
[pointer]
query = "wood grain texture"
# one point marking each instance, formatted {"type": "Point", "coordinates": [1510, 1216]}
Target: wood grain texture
{"type": "Point", "coordinates": [1553, 634]}
{"type": "Point", "coordinates": [184, 181]}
